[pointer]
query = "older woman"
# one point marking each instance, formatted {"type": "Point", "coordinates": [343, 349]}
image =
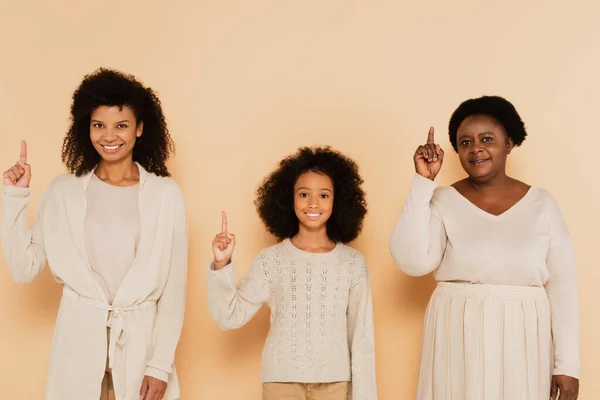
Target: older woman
{"type": "Point", "coordinates": [503, 322]}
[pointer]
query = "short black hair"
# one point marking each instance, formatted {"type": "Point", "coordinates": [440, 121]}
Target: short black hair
{"type": "Point", "coordinates": [109, 87]}
{"type": "Point", "coordinates": [496, 107]}
{"type": "Point", "coordinates": [275, 197]}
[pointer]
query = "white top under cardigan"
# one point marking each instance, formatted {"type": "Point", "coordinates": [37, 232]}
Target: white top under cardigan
{"type": "Point", "coordinates": [146, 316]}
{"type": "Point", "coordinates": [112, 232]}
{"type": "Point", "coordinates": [321, 314]}
{"type": "Point", "coordinates": [528, 245]}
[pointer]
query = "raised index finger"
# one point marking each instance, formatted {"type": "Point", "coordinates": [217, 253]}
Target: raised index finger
{"type": "Point", "coordinates": [430, 139]}
{"type": "Point", "coordinates": [223, 221]}
{"type": "Point", "coordinates": [23, 157]}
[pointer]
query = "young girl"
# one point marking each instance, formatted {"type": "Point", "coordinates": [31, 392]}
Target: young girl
{"type": "Point", "coordinates": [114, 233]}
{"type": "Point", "coordinates": [321, 341]}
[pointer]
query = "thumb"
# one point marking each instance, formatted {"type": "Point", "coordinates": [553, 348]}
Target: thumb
{"type": "Point", "coordinates": [553, 389]}
{"type": "Point", "coordinates": [439, 151]}
{"type": "Point", "coordinates": [26, 167]}
{"type": "Point", "coordinates": [144, 388]}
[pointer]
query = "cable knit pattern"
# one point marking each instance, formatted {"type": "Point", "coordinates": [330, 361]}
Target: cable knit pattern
{"type": "Point", "coordinates": [321, 314]}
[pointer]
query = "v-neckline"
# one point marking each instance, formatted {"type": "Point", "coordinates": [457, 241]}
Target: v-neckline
{"type": "Point", "coordinates": [504, 214]}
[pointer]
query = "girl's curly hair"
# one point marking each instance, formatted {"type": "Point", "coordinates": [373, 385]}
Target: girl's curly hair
{"type": "Point", "coordinates": [275, 197]}
{"type": "Point", "coordinates": [108, 87]}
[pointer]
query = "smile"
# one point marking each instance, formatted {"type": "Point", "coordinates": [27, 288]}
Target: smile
{"type": "Point", "coordinates": [478, 162]}
{"type": "Point", "coordinates": [313, 216]}
{"type": "Point", "coordinates": [112, 148]}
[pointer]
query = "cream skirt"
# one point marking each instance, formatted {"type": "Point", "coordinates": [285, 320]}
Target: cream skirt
{"type": "Point", "coordinates": [486, 342]}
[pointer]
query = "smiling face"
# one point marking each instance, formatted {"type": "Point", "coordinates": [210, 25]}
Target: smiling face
{"type": "Point", "coordinates": [313, 200]}
{"type": "Point", "coordinates": [483, 147]}
{"type": "Point", "coordinates": [113, 132]}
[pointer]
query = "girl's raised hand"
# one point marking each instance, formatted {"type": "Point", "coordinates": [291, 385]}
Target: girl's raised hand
{"type": "Point", "coordinates": [223, 245]}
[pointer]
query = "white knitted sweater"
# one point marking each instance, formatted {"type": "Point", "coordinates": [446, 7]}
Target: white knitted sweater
{"type": "Point", "coordinates": [321, 314]}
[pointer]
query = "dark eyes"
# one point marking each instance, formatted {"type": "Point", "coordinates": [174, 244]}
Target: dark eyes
{"type": "Point", "coordinates": [466, 142]}
{"type": "Point", "coordinates": [322, 195]}
{"type": "Point", "coordinates": [99, 125]}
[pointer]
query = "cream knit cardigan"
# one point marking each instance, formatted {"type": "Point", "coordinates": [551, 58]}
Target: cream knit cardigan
{"type": "Point", "coordinates": [146, 316]}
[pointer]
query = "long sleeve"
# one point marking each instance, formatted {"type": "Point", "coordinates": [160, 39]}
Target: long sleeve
{"type": "Point", "coordinates": [361, 338]}
{"type": "Point", "coordinates": [23, 247]}
{"type": "Point", "coordinates": [231, 307]}
{"type": "Point", "coordinates": [171, 304]}
{"type": "Point", "coordinates": [562, 292]}
{"type": "Point", "coordinates": [419, 239]}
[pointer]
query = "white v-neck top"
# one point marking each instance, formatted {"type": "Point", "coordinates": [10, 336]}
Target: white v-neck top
{"type": "Point", "coordinates": [112, 232]}
{"type": "Point", "coordinates": [528, 245]}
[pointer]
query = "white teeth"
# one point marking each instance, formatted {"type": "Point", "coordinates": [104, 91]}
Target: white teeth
{"type": "Point", "coordinates": [313, 215]}
{"type": "Point", "coordinates": [111, 147]}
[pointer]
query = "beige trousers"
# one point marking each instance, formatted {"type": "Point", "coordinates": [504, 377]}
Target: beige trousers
{"type": "Point", "coordinates": [306, 391]}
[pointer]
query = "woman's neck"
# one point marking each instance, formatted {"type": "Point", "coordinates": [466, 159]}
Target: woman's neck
{"type": "Point", "coordinates": [124, 173]}
{"type": "Point", "coordinates": [500, 182]}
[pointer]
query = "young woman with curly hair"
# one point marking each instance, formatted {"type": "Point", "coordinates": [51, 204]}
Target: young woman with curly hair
{"type": "Point", "coordinates": [503, 322]}
{"type": "Point", "coordinates": [114, 234]}
{"type": "Point", "coordinates": [321, 341]}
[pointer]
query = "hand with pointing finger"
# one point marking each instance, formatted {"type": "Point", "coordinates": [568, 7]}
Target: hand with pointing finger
{"type": "Point", "coordinates": [429, 158]}
{"type": "Point", "coordinates": [18, 175]}
{"type": "Point", "coordinates": [223, 245]}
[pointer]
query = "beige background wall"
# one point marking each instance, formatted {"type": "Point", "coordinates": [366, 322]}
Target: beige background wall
{"type": "Point", "coordinates": [245, 82]}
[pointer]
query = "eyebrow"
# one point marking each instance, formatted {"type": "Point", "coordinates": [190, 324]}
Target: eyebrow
{"type": "Point", "coordinates": [119, 122]}
{"type": "Point", "coordinates": [479, 134]}
{"type": "Point", "coordinates": [305, 188]}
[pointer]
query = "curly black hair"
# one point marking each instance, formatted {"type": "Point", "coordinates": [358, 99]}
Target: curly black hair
{"type": "Point", "coordinates": [275, 197]}
{"type": "Point", "coordinates": [109, 87]}
{"type": "Point", "coordinates": [496, 107]}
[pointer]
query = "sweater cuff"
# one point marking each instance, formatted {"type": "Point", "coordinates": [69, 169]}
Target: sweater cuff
{"type": "Point", "coordinates": [157, 373]}
{"type": "Point", "coordinates": [223, 278]}
{"type": "Point", "coordinates": [422, 187]}
{"type": "Point", "coordinates": [211, 266]}
{"type": "Point", "coordinates": [15, 191]}
{"type": "Point", "coordinates": [567, 371]}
